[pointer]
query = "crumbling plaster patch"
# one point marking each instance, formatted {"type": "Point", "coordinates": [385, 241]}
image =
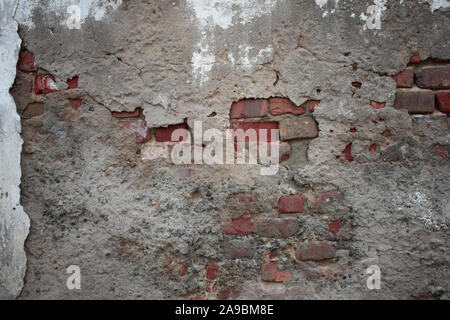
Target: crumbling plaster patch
{"type": "Point", "coordinates": [14, 223]}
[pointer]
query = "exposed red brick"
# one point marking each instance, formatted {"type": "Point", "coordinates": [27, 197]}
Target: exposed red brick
{"type": "Point", "coordinates": [249, 108]}
{"type": "Point", "coordinates": [348, 153]}
{"type": "Point", "coordinates": [325, 198]}
{"type": "Point", "coordinates": [335, 226]}
{"type": "Point", "coordinates": [33, 110]}
{"type": "Point", "coordinates": [443, 101]}
{"type": "Point", "coordinates": [26, 62]}
{"type": "Point", "coordinates": [440, 152]}
{"type": "Point", "coordinates": [241, 225]}
{"type": "Point", "coordinates": [414, 59]}
{"type": "Point", "coordinates": [44, 84]}
{"type": "Point", "coordinates": [235, 252]}
{"type": "Point", "coordinates": [356, 84]}
{"type": "Point", "coordinates": [258, 127]}
{"type": "Point", "coordinates": [271, 273]}
{"type": "Point", "coordinates": [298, 128]}
{"type": "Point", "coordinates": [313, 104]}
{"type": "Point", "coordinates": [277, 228]}
{"type": "Point", "coordinates": [404, 79]}
{"type": "Point", "coordinates": [377, 105]}
{"type": "Point", "coordinates": [315, 251]}
{"type": "Point", "coordinates": [72, 83]}
{"type": "Point", "coordinates": [76, 103]}
{"type": "Point", "coordinates": [212, 271]}
{"type": "Point", "coordinates": [373, 148]}
{"type": "Point", "coordinates": [279, 106]}
{"type": "Point", "coordinates": [418, 101]}
{"type": "Point", "coordinates": [165, 134]}
{"type": "Point", "coordinates": [139, 127]}
{"type": "Point", "coordinates": [353, 130]}
{"type": "Point", "coordinates": [434, 78]}
{"type": "Point", "coordinates": [285, 151]}
{"type": "Point", "coordinates": [227, 293]}
{"type": "Point", "coordinates": [386, 133]}
{"type": "Point", "coordinates": [125, 114]}
{"type": "Point", "coordinates": [291, 204]}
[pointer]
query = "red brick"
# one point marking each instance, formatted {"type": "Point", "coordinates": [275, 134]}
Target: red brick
{"type": "Point", "coordinates": [76, 103]}
{"type": "Point", "coordinates": [386, 133]}
{"type": "Point", "coordinates": [414, 59]}
{"type": "Point", "coordinates": [434, 78]}
{"type": "Point", "coordinates": [271, 273]}
{"type": "Point", "coordinates": [239, 249]}
{"type": "Point", "coordinates": [241, 225]}
{"type": "Point", "coordinates": [227, 293]}
{"type": "Point", "coordinates": [44, 84]}
{"type": "Point", "coordinates": [335, 226]}
{"type": "Point", "coordinates": [125, 114]}
{"type": "Point", "coordinates": [212, 271]}
{"type": "Point", "coordinates": [279, 106]}
{"type": "Point", "coordinates": [440, 152]}
{"type": "Point", "coordinates": [377, 105]}
{"type": "Point", "coordinates": [404, 79]}
{"type": "Point", "coordinates": [139, 127]}
{"type": "Point", "coordinates": [418, 101]}
{"type": "Point", "coordinates": [26, 62]}
{"type": "Point", "coordinates": [258, 127]}
{"type": "Point", "coordinates": [313, 104]}
{"type": "Point", "coordinates": [348, 153]}
{"type": "Point", "coordinates": [165, 134]}
{"type": "Point", "coordinates": [285, 151]}
{"type": "Point", "coordinates": [277, 228]}
{"type": "Point", "coordinates": [72, 83]}
{"type": "Point", "coordinates": [249, 108]}
{"type": "Point", "coordinates": [291, 204]}
{"type": "Point", "coordinates": [298, 128]}
{"type": "Point", "coordinates": [373, 148]}
{"type": "Point", "coordinates": [443, 101]}
{"type": "Point", "coordinates": [315, 251]}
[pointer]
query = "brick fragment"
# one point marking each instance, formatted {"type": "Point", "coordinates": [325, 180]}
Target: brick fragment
{"type": "Point", "coordinates": [443, 101]}
{"type": "Point", "coordinates": [139, 127]}
{"type": "Point", "coordinates": [277, 228]}
{"type": "Point", "coordinates": [241, 225]}
{"type": "Point", "coordinates": [212, 271]}
{"type": "Point", "coordinates": [26, 62]}
{"type": "Point", "coordinates": [315, 251]}
{"type": "Point", "coordinates": [76, 103]}
{"type": "Point", "coordinates": [404, 79]}
{"type": "Point", "coordinates": [417, 101]}
{"type": "Point", "coordinates": [44, 84]}
{"type": "Point", "coordinates": [377, 105]}
{"type": "Point", "coordinates": [271, 273]}
{"type": "Point", "coordinates": [298, 128]}
{"type": "Point", "coordinates": [433, 78]}
{"type": "Point", "coordinates": [291, 204]}
{"type": "Point", "coordinates": [72, 83]}
{"type": "Point", "coordinates": [249, 108]}
{"type": "Point", "coordinates": [279, 106]}
{"type": "Point", "coordinates": [165, 134]}
{"type": "Point", "coordinates": [260, 129]}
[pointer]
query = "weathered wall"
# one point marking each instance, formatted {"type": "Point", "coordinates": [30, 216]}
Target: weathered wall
{"type": "Point", "coordinates": [14, 223]}
{"type": "Point", "coordinates": [369, 170]}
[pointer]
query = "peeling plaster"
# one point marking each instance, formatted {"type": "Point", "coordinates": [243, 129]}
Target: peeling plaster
{"type": "Point", "coordinates": [216, 13]}
{"type": "Point", "coordinates": [96, 9]}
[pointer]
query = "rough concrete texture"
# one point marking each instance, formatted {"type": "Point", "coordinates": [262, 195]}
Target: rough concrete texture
{"type": "Point", "coordinates": [375, 180]}
{"type": "Point", "coordinates": [14, 223]}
